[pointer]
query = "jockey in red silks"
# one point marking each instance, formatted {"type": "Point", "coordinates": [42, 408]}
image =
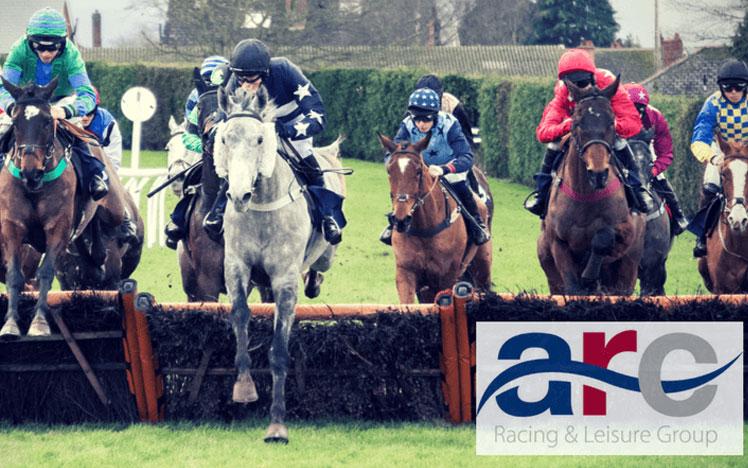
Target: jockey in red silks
{"type": "Point", "coordinates": [577, 67]}
{"type": "Point", "coordinates": [656, 131]}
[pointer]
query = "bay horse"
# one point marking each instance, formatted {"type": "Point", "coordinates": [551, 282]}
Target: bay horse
{"type": "Point", "coordinates": [590, 242]}
{"type": "Point", "coordinates": [658, 234]}
{"type": "Point", "coordinates": [725, 266]}
{"type": "Point", "coordinates": [268, 233]}
{"type": "Point", "coordinates": [39, 203]}
{"type": "Point", "coordinates": [430, 238]}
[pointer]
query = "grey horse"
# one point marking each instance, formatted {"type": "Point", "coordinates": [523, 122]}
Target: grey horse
{"type": "Point", "coordinates": [267, 233]}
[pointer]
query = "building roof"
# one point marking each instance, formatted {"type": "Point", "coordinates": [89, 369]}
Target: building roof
{"type": "Point", "coordinates": [693, 75]}
{"type": "Point", "coordinates": [15, 15]}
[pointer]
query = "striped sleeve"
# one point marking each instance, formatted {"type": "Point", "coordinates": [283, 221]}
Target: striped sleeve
{"type": "Point", "coordinates": [13, 72]}
{"type": "Point", "coordinates": [85, 100]}
{"type": "Point", "coordinates": [191, 138]}
{"type": "Point", "coordinates": [703, 130]}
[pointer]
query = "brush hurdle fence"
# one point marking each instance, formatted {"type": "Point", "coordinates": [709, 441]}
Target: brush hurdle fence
{"type": "Point", "coordinates": [120, 356]}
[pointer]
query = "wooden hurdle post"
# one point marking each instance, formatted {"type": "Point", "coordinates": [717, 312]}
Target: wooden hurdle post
{"type": "Point", "coordinates": [451, 387]}
{"type": "Point", "coordinates": [462, 294]}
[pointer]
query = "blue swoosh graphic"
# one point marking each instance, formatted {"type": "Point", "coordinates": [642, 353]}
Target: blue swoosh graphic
{"type": "Point", "coordinates": [626, 382]}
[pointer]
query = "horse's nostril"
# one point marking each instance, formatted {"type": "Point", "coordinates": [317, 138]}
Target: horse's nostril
{"type": "Point", "coordinates": [246, 197]}
{"type": "Point", "coordinates": [229, 197]}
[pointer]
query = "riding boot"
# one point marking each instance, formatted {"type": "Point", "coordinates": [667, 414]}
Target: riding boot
{"type": "Point", "coordinates": [128, 231]}
{"type": "Point", "coordinates": [315, 177]}
{"type": "Point", "coordinates": [386, 236]}
{"type": "Point", "coordinates": [98, 187]}
{"type": "Point", "coordinates": [173, 235]}
{"type": "Point", "coordinates": [642, 199]}
{"type": "Point", "coordinates": [709, 192]}
{"type": "Point", "coordinates": [665, 190]}
{"type": "Point", "coordinates": [537, 201]}
{"type": "Point", "coordinates": [213, 222]}
{"type": "Point", "coordinates": [479, 232]}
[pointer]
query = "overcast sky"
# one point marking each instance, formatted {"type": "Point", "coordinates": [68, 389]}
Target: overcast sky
{"type": "Point", "coordinates": [636, 17]}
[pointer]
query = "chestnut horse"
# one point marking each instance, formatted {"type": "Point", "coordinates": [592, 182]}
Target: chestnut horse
{"type": "Point", "coordinates": [430, 238]}
{"type": "Point", "coordinates": [590, 242]}
{"type": "Point", "coordinates": [725, 266]}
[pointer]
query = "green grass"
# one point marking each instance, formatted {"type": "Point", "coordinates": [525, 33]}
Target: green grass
{"type": "Point", "coordinates": [364, 270]}
{"type": "Point", "coordinates": [312, 444]}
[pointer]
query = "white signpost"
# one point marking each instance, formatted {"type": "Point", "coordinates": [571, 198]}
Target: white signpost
{"type": "Point", "coordinates": [138, 104]}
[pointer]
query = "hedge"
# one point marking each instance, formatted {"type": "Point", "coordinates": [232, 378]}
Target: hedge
{"type": "Point", "coordinates": [361, 103]}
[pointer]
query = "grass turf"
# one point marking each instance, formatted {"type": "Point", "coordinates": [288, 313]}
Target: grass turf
{"type": "Point", "coordinates": [364, 269]}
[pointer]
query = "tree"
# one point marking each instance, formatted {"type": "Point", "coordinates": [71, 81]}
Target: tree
{"type": "Point", "coordinates": [716, 20]}
{"type": "Point", "coordinates": [496, 22]}
{"type": "Point", "coordinates": [740, 40]}
{"type": "Point", "coordinates": [571, 22]}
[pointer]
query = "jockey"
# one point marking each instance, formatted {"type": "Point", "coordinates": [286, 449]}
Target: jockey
{"type": "Point", "coordinates": [449, 104]}
{"type": "Point", "coordinates": [725, 111]}
{"type": "Point", "coordinates": [577, 66]}
{"type": "Point", "coordinates": [206, 70]}
{"type": "Point", "coordinates": [448, 154]}
{"type": "Point", "coordinates": [656, 131]}
{"type": "Point", "coordinates": [300, 116]}
{"type": "Point", "coordinates": [101, 123]}
{"type": "Point", "coordinates": [41, 55]}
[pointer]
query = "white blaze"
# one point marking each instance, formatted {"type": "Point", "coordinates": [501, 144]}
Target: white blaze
{"type": "Point", "coordinates": [403, 163]}
{"type": "Point", "coordinates": [30, 112]}
{"type": "Point", "coordinates": [738, 217]}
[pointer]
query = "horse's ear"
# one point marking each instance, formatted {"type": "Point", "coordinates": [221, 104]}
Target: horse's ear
{"type": "Point", "coordinates": [45, 92]}
{"type": "Point", "coordinates": [223, 100]}
{"type": "Point", "coordinates": [15, 91]}
{"type": "Point", "coordinates": [422, 144]}
{"type": "Point", "coordinates": [172, 123]}
{"type": "Point", "coordinates": [386, 143]}
{"type": "Point", "coordinates": [612, 89]}
{"type": "Point", "coordinates": [574, 90]}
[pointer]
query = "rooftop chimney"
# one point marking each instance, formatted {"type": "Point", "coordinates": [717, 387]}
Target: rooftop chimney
{"type": "Point", "coordinates": [672, 49]}
{"type": "Point", "coordinates": [96, 30]}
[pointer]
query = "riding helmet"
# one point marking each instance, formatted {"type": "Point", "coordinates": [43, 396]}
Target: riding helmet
{"type": "Point", "coordinates": [637, 93]}
{"type": "Point", "coordinates": [47, 26]}
{"type": "Point", "coordinates": [210, 64]}
{"type": "Point", "coordinates": [575, 60]}
{"type": "Point", "coordinates": [431, 82]}
{"type": "Point", "coordinates": [250, 56]}
{"type": "Point", "coordinates": [732, 71]}
{"type": "Point", "coordinates": [424, 102]}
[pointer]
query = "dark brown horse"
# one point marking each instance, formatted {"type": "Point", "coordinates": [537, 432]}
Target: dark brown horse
{"type": "Point", "coordinates": [590, 242]}
{"type": "Point", "coordinates": [39, 202]}
{"type": "Point", "coordinates": [725, 266]}
{"type": "Point", "coordinates": [430, 239]}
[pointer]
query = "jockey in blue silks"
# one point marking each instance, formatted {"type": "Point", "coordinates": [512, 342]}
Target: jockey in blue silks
{"type": "Point", "coordinates": [102, 123]}
{"type": "Point", "coordinates": [448, 154]}
{"type": "Point", "coordinates": [300, 115]}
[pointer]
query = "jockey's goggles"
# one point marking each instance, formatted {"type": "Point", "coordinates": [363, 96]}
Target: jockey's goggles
{"type": "Point", "coordinates": [248, 78]}
{"type": "Point", "coordinates": [583, 83]}
{"type": "Point", "coordinates": [46, 46]}
{"type": "Point", "coordinates": [423, 117]}
{"type": "Point", "coordinates": [730, 87]}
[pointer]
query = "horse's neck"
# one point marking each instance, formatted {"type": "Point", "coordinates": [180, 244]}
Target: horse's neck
{"type": "Point", "coordinates": [431, 213]}
{"type": "Point", "coordinates": [269, 189]}
{"type": "Point", "coordinates": [209, 180]}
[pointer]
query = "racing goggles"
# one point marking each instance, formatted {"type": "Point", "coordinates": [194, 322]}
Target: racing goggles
{"type": "Point", "coordinates": [423, 117]}
{"type": "Point", "coordinates": [46, 46]}
{"type": "Point", "coordinates": [250, 78]}
{"type": "Point", "coordinates": [731, 87]}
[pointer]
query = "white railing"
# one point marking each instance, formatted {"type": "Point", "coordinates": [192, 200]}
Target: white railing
{"type": "Point", "coordinates": [140, 181]}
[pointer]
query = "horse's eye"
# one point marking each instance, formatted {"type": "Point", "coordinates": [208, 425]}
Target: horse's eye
{"type": "Point", "coordinates": [259, 140]}
{"type": "Point", "coordinates": [223, 140]}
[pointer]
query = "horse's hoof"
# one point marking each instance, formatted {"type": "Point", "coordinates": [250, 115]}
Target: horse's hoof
{"type": "Point", "coordinates": [39, 327]}
{"type": "Point", "coordinates": [10, 331]}
{"type": "Point", "coordinates": [312, 290]}
{"type": "Point", "coordinates": [244, 390]}
{"type": "Point", "coordinates": [276, 434]}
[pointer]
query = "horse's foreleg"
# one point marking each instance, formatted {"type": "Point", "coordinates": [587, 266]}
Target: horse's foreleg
{"type": "Point", "coordinates": [405, 281]}
{"type": "Point", "coordinates": [237, 277]}
{"type": "Point", "coordinates": [14, 282]}
{"type": "Point", "coordinates": [285, 290]}
{"type": "Point", "coordinates": [566, 267]}
{"type": "Point", "coordinates": [45, 275]}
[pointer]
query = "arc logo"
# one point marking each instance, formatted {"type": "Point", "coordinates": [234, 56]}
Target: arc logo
{"type": "Point", "coordinates": [586, 377]}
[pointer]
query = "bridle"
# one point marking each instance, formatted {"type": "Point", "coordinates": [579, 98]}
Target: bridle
{"type": "Point", "coordinates": [420, 198]}
{"type": "Point", "coordinates": [20, 150]}
{"type": "Point", "coordinates": [582, 147]}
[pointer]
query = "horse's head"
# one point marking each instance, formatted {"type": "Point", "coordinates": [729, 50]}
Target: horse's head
{"type": "Point", "coordinates": [593, 130]}
{"type": "Point", "coordinates": [410, 181]}
{"type": "Point", "coordinates": [245, 144]}
{"type": "Point", "coordinates": [35, 129]}
{"type": "Point", "coordinates": [734, 174]}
